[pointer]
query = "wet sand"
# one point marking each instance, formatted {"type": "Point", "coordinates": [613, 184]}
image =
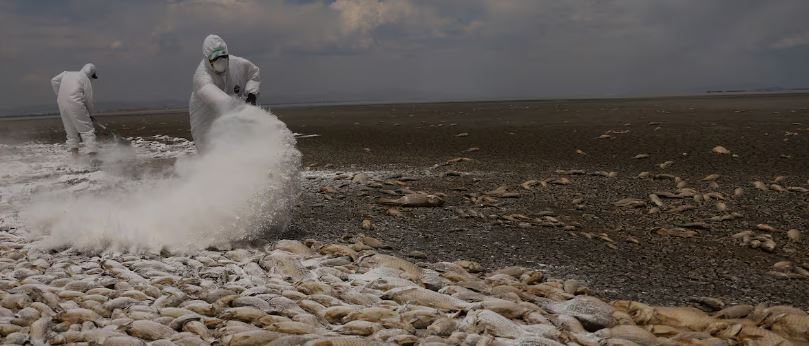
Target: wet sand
{"type": "Point", "coordinates": [519, 141]}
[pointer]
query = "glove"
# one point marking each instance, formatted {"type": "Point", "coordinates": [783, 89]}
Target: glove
{"type": "Point", "coordinates": [251, 99]}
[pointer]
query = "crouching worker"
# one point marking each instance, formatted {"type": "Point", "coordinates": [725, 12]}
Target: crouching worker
{"type": "Point", "coordinates": [220, 82]}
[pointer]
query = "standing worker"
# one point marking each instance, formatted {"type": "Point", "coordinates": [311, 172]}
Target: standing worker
{"type": "Point", "coordinates": [74, 95]}
{"type": "Point", "coordinates": [220, 82]}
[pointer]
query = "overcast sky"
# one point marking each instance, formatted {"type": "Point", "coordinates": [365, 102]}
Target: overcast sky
{"type": "Point", "coordinates": [409, 49]}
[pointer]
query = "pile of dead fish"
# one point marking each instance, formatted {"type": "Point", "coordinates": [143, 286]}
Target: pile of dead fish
{"type": "Point", "coordinates": [310, 293]}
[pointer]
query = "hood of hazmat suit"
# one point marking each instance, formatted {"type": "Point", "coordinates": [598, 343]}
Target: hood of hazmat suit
{"type": "Point", "coordinates": [89, 70]}
{"type": "Point", "coordinates": [74, 96]}
{"type": "Point", "coordinates": [216, 93]}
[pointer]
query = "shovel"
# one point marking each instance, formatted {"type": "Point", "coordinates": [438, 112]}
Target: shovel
{"type": "Point", "coordinates": [118, 139]}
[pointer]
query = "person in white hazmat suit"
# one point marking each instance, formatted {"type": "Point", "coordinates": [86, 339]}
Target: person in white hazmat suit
{"type": "Point", "coordinates": [220, 83]}
{"type": "Point", "coordinates": [74, 95]}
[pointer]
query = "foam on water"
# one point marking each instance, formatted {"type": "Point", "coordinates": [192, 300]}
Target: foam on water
{"type": "Point", "coordinates": [244, 187]}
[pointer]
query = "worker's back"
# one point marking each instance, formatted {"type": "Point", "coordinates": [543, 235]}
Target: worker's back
{"type": "Point", "coordinates": [72, 87]}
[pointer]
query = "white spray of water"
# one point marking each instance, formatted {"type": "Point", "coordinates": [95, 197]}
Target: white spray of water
{"type": "Point", "coordinates": [245, 186]}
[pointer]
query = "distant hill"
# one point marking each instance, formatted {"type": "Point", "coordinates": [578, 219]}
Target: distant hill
{"type": "Point", "coordinates": [760, 90]}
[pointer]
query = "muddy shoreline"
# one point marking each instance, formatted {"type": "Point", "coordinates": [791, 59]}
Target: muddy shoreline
{"type": "Point", "coordinates": [521, 141]}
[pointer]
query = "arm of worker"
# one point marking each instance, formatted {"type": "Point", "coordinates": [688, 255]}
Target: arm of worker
{"type": "Point", "coordinates": [211, 95]}
{"type": "Point", "coordinates": [56, 82]}
{"type": "Point", "coordinates": [253, 74]}
{"type": "Point", "coordinates": [89, 99]}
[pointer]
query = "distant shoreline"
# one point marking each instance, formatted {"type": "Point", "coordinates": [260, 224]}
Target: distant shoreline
{"type": "Point", "coordinates": [707, 94]}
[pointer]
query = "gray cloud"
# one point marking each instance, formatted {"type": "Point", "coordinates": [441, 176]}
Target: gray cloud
{"type": "Point", "coordinates": [410, 49]}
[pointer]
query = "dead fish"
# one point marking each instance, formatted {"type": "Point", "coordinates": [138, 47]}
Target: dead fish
{"type": "Point", "coordinates": [244, 314]}
{"type": "Point", "coordinates": [630, 203]}
{"type": "Point", "coordinates": [765, 227]}
{"type": "Point", "coordinates": [710, 302]}
{"type": "Point", "coordinates": [462, 134]}
{"type": "Point", "coordinates": [575, 287]}
{"type": "Point", "coordinates": [443, 327]}
{"type": "Point", "coordinates": [197, 328]}
{"type": "Point", "coordinates": [560, 181]}
{"type": "Point", "coordinates": [533, 339]}
{"type": "Point", "coordinates": [328, 190]}
{"type": "Point", "coordinates": [711, 177]}
{"type": "Point", "coordinates": [777, 188]}
{"type": "Point", "coordinates": [656, 200]}
{"type": "Point", "coordinates": [370, 242]}
{"type": "Point", "coordinates": [360, 178]}
{"type": "Point", "coordinates": [666, 164]}
{"type": "Point", "coordinates": [713, 195]}
{"type": "Point", "coordinates": [605, 174]}
{"type": "Point", "coordinates": [580, 152]}
{"type": "Point", "coordinates": [676, 232]}
{"type": "Point", "coordinates": [681, 208]}
{"type": "Point", "coordinates": [125, 340]}
{"type": "Point", "coordinates": [335, 314]}
{"type": "Point", "coordinates": [593, 313]}
{"type": "Point", "coordinates": [672, 195]}
{"type": "Point", "coordinates": [492, 323]}
{"type": "Point", "coordinates": [350, 341]}
{"type": "Point", "coordinates": [783, 266]}
{"type": "Point", "coordinates": [791, 325]}
{"type": "Point", "coordinates": [743, 235]}
{"type": "Point", "coordinates": [529, 184]}
{"type": "Point", "coordinates": [412, 271]}
{"type": "Point", "coordinates": [295, 247]}
{"type": "Point", "coordinates": [414, 200]}
{"type": "Point", "coordinates": [78, 315]}
{"type": "Point", "coordinates": [361, 328]}
{"type": "Point", "coordinates": [253, 337]}
{"type": "Point", "coordinates": [767, 243]}
{"type": "Point", "coordinates": [39, 330]}
{"type": "Point", "coordinates": [734, 312]}
{"type": "Point", "coordinates": [458, 159]}
{"type": "Point", "coordinates": [338, 250]}
{"type": "Point", "coordinates": [761, 186]}
{"type": "Point", "coordinates": [797, 189]}
{"type": "Point", "coordinates": [794, 235]}
{"type": "Point", "coordinates": [425, 297]}
{"type": "Point", "coordinates": [503, 192]}
{"type": "Point", "coordinates": [395, 212]}
{"type": "Point", "coordinates": [372, 314]}
{"type": "Point", "coordinates": [641, 156]}
{"type": "Point", "coordinates": [720, 150]}
{"type": "Point", "coordinates": [724, 217]}
{"type": "Point", "coordinates": [293, 327]}
{"type": "Point", "coordinates": [631, 333]}
{"type": "Point", "coordinates": [149, 330]}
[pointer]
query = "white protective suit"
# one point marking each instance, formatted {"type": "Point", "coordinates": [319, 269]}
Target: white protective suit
{"type": "Point", "coordinates": [215, 93]}
{"type": "Point", "coordinates": [74, 95]}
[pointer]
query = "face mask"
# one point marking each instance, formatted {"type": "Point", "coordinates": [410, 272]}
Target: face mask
{"type": "Point", "coordinates": [220, 65]}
